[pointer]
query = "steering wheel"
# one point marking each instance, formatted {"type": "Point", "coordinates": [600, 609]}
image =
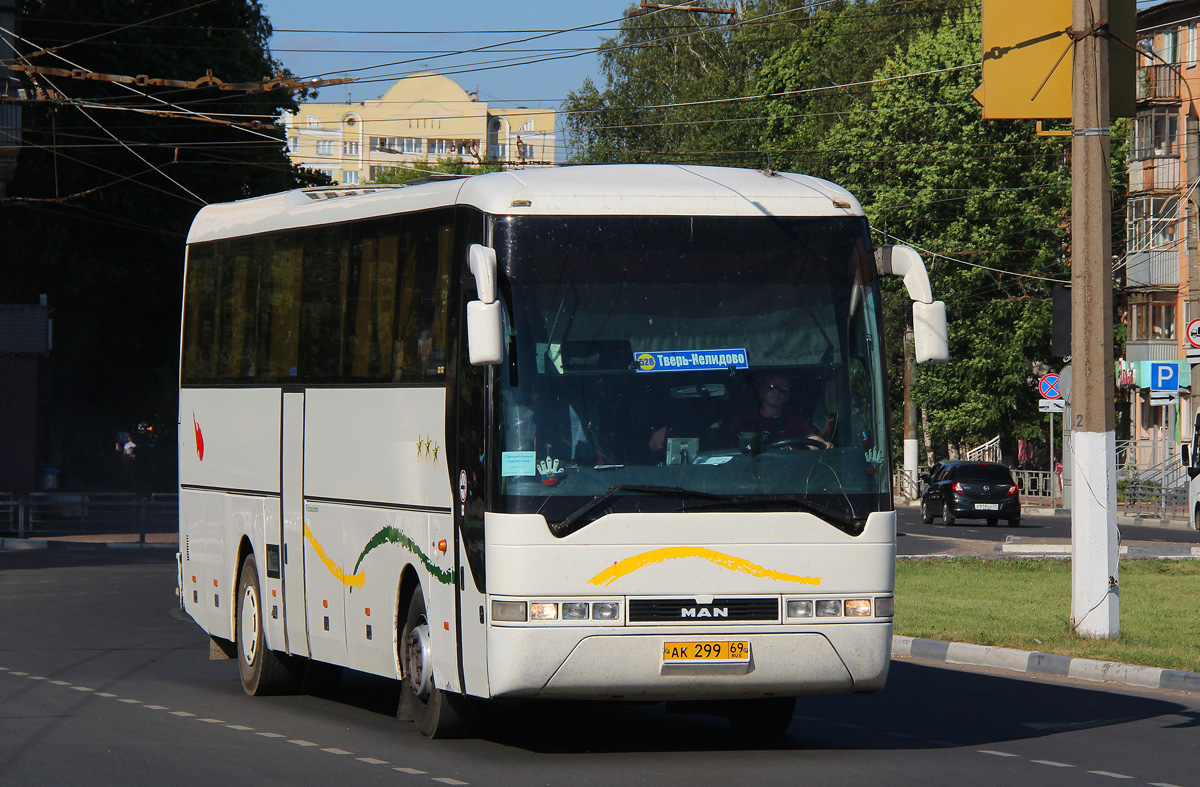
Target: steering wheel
{"type": "Point", "coordinates": [793, 443]}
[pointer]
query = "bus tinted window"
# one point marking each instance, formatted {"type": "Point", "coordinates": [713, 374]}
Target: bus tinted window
{"type": "Point", "coordinates": [358, 302]}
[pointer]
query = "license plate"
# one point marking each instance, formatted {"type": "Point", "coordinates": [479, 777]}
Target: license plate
{"type": "Point", "coordinates": [987, 506]}
{"type": "Point", "coordinates": [708, 652]}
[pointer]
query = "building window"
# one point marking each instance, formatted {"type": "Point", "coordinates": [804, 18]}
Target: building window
{"type": "Point", "coordinates": [325, 147]}
{"type": "Point", "coordinates": [291, 144]}
{"type": "Point", "coordinates": [1170, 46]}
{"type": "Point", "coordinates": [350, 177]}
{"type": "Point", "coordinates": [349, 148]}
{"type": "Point", "coordinates": [439, 147]}
{"type": "Point", "coordinates": [1151, 223]}
{"type": "Point", "coordinates": [1152, 316]}
{"type": "Point", "coordinates": [312, 121]}
{"type": "Point", "coordinates": [396, 145]}
{"type": "Point", "coordinates": [1156, 133]}
{"type": "Point", "coordinates": [1189, 54]}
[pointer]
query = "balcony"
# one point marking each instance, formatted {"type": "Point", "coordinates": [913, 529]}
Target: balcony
{"type": "Point", "coordinates": [1152, 350]}
{"type": "Point", "coordinates": [1158, 84]}
{"type": "Point", "coordinates": [1159, 174]}
{"type": "Point", "coordinates": [1158, 268]}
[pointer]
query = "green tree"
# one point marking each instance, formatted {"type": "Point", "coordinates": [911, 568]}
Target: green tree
{"type": "Point", "coordinates": [443, 166]}
{"type": "Point", "coordinates": [108, 181]}
{"type": "Point", "coordinates": [989, 195]}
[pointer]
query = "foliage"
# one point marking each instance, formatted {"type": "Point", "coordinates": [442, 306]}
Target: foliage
{"type": "Point", "coordinates": [443, 166]}
{"type": "Point", "coordinates": [99, 225]}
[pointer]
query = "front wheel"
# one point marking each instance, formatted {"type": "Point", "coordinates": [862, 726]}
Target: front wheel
{"type": "Point", "coordinates": [437, 714]}
{"type": "Point", "coordinates": [263, 671]}
{"type": "Point", "coordinates": [767, 717]}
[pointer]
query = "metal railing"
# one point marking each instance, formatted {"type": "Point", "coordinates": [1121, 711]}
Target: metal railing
{"type": "Point", "coordinates": [88, 513]}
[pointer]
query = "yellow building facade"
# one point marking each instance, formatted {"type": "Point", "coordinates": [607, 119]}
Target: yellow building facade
{"type": "Point", "coordinates": [419, 120]}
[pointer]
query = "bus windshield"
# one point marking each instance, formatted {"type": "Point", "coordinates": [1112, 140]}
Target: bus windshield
{"type": "Point", "coordinates": [666, 363]}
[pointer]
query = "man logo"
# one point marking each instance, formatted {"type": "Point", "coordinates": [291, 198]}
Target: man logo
{"type": "Point", "coordinates": [704, 612]}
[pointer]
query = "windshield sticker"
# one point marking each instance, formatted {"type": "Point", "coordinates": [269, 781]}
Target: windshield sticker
{"type": "Point", "coordinates": [550, 471]}
{"type": "Point", "coordinates": [690, 360]}
{"type": "Point", "coordinates": [712, 460]}
{"type": "Point", "coordinates": [518, 463]}
{"type": "Point", "coordinates": [632, 564]}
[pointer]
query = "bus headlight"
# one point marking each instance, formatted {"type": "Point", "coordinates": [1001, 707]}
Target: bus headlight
{"type": "Point", "coordinates": [858, 607]}
{"type": "Point", "coordinates": [799, 609]}
{"type": "Point", "coordinates": [829, 608]}
{"type": "Point", "coordinates": [575, 610]}
{"type": "Point", "coordinates": [543, 610]}
{"type": "Point", "coordinates": [606, 610]}
{"type": "Point", "coordinates": [509, 611]}
{"type": "Point", "coordinates": [885, 606]}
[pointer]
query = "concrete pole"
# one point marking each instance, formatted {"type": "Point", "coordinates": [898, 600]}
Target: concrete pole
{"type": "Point", "coordinates": [911, 448]}
{"type": "Point", "coordinates": [1095, 598]}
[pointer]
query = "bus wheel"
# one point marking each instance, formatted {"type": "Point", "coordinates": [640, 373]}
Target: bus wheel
{"type": "Point", "coordinates": [770, 716]}
{"type": "Point", "coordinates": [437, 714]}
{"type": "Point", "coordinates": [263, 670]}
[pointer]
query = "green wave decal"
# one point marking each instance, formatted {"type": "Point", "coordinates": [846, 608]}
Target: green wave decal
{"type": "Point", "coordinates": [390, 535]}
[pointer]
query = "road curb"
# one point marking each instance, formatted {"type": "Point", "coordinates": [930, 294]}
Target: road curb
{"type": "Point", "coordinates": [1050, 664]}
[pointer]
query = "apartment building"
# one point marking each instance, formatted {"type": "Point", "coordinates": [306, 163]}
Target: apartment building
{"type": "Point", "coordinates": [1162, 277]}
{"type": "Point", "coordinates": [418, 120]}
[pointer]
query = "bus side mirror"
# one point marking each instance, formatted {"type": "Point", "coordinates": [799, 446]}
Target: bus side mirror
{"type": "Point", "coordinates": [485, 341]}
{"type": "Point", "coordinates": [929, 316]}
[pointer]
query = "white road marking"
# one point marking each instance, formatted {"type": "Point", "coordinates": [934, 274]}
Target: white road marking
{"type": "Point", "coordinates": [1111, 775]}
{"type": "Point", "coordinates": [1053, 764]}
{"type": "Point", "coordinates": [25, 674]}
{"type": "Point", "coordinates": [337, 751]}
{"type": "Point", "coordinates": [371, 761]}
{"type": "Point", "coordinates": [131, 702]}
{"type": "Point", "coordinates": [36, 677]}
{"type": "Point", "coordinates": [155, 707]}
{"type": "Point", "coordinates": [104, 694]}
{"type": "Point", "coordinates": [181, 713]}
{"type": "Point", "coordinates": [299, 742]}
{"type": "Point", "coordinates": [238, 727]}
{"type": "Point", "coordinates": [270, 734]}
{"type": "Point", "coordinates": [447, 780]}
{"type": "Point", "coordinates": [997, 753]}
{"type": "Point", "coordinates": [54, 682]}
{"type": "Point", "coordinates": [1163, 784]}
{"type": "Point", "coordinates": [82, 688]}
{"type": "Point", "coordinates": [412, 771]}
{"type": "Point", "coordinates": [211, 721]}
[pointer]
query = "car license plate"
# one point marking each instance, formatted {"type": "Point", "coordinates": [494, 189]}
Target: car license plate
{"type": "Point", "coordinates": [706, 652]}
{"type": "Point", "coordinates": [987, 506]}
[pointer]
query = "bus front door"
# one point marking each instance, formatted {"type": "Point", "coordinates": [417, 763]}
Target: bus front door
{"type": "Point", "coordinates": [292, 503]}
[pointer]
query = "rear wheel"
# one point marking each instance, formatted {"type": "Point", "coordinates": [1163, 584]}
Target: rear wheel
{"type": "Point", "coordinates": [1014, 522]}
{"type": "Point", "coordinates": [770, 716]}
{"type": "Point", "coordinates": [947, 514]}
{"type": "Point", "coordinates": [992, 521]}
{"type": "Point", "coordinates": [437, 714]}
{"type": "Point", "coordinates": [263, 670]}
{"type": "Point", "coordinates": [926, 517]}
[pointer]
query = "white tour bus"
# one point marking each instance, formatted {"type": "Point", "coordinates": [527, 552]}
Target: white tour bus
{"type": "Point", "coordinates": [611, 432]}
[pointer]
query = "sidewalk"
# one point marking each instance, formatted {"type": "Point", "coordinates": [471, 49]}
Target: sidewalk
{"type": "Point", "coordinates": [1044, 664]}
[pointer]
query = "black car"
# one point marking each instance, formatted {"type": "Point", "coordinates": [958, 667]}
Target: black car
{"type": "Point", "coordinates": [971, 490]}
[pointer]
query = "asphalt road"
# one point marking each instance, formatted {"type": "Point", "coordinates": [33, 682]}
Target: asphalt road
{"type": "Point", "coordinates": [931, 539]}
{"type": "Point", "coordinates": [104, 682]}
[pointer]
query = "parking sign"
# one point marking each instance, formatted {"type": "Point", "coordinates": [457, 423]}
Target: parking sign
{"type": "Point", "coordinates": [1164, 377]}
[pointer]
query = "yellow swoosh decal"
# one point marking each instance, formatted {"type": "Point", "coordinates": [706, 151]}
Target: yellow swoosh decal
{"type": "Point", "coordinates": [631, 564]}
{"type": "Point", "coordinates": [349, 580]}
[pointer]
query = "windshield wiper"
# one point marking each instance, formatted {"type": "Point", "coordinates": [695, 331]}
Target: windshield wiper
{"type": "Point", "coordinates": [799, 501]}
{"type": "Point", "coordinates": [567, 525]}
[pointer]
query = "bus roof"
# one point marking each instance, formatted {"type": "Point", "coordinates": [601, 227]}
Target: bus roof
{"type": "Point", "coordinates": [616, 190]}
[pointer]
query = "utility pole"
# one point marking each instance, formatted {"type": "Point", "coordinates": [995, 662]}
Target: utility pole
{"type": "Point", "coordinates": [1095, 596]}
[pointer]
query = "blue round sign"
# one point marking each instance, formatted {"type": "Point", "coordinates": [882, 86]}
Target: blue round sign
{"type": "Point", "coordinates": [1048, 386]}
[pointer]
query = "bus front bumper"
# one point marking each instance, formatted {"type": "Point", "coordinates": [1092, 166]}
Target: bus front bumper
{"type": "Point", "coordinates": [622, 664]}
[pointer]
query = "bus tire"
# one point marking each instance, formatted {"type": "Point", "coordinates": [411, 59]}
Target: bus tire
{"type": "Point", "coordinates": [766, 717]}
{"type": "Point", "coordinates": [263, 671]}
{"type": "Point", "coordinates": [436, 713]}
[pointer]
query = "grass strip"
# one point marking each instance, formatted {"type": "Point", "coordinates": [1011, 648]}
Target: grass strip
{"type": "Point", "coordinates": [1026, 604]}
